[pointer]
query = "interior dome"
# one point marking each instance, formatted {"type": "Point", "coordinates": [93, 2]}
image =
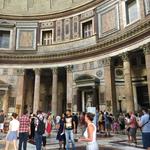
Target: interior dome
{"type": "Point", "coordinates": [38, 7]}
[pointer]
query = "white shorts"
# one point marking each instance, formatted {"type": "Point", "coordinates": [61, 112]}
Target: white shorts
{"type": "Point", "coordinates": [1, 126]}
{"type": "Point", "coordinates": [92, 146]}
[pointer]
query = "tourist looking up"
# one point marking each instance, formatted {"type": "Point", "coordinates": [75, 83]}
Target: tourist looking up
{"type": "Point", "coordinates": [69, 126]}
{"type": "Point", "coordinates": [144, 123]}
{"type": "Point", "coordinates": [24, 130]}
{"type": "Point", "coordinates": [90, 133]}
{"type": "Point", "coordinates": [12, 132]}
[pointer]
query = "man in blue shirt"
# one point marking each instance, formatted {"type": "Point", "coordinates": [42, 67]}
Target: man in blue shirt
{"type": "Point", "coordinates": [144, 123]}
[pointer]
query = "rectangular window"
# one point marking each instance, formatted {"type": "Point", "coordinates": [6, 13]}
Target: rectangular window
{"type": "Point", "coordinates": [47, 37]}
{"type": "Point", "coordinates": [131, 11]}
{"type": "Point", "coordinates": [4, 39]}
{"type": "Point", "coordinates": [87, 29]}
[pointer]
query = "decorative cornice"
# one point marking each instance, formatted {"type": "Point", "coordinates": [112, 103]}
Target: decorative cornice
{"type": "Point", "coordinates": [54, 15]}
{"type": "Point", "coordinates": [128, 36]}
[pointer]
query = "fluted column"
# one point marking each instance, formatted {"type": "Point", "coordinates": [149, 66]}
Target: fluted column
{"type": "Point", "coordinates": [20, 92]}
{"type": "Point", "coordinates": [36, 91]}
{"type": "Point", "coordinates": [5, 102]}
{"type": "Point", "coordinates": [128, 82]}
{"type": "Point", "coordinates": [54, 91]}
{"type": "Point", "coordinates": [110, 89]}
{"type": "Point", "coordinates": [69, 87]}
{"type": "Point", "coordinates": [146, 49]}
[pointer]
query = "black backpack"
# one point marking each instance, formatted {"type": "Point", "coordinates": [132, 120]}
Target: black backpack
{"type": "Point", "coordinates": [41, 127]}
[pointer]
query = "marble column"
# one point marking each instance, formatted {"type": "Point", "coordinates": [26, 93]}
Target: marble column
{"type": "Point", "coordinates": [69, 87]}
{"type": "Point", "coordinates": [5, 102]}
{"type": "Point", "coordinates": [20, 92]}
{"type": "Point", "coordinates": [29, 94]}
{"type": "Point", "coordinates": [110, 89]}
{"type": "Point", "coordinates": [36, 99]}
{"type": "Point", "coordinates": [75, 99]}
{"type": "Point", "coordinates": [83, 101]}
{"type": "Point", "coordinates": [54, 91]}
{"type": "Point", "coordinates": [128, 82]}
{"type": "Point", "coordinates": [146, 49]}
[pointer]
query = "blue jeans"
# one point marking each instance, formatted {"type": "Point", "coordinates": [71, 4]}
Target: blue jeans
{"type": "Point", "coordinates": [69, 136]}
{"type": "Point", "coordinates": [38, 141]}
{"type": "Point", "coordinates": [23, 137]}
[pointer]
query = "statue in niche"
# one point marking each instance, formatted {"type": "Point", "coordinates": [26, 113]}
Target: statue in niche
{"type": "Point", "coordinates": [89, 101]}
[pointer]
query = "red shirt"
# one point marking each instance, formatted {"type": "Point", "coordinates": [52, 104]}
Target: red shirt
{"type": "Point", "coordinates": [24, 124]}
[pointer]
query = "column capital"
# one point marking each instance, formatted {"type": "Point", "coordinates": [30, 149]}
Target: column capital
{"type": "Point", "coordinates": [20, 72]}
{"type": "Point", "coordinates": [106, 61]}
{"type": "Point", "coordinates": [146, 48]}
{"type": "Point", "coordinates": [37, 71]}
{"type": "Point", "coordinates": [69, 68]}
{"type": "Point", "coordinates": [54, 70]}
{"type": "Point", "coordinates": [125, 56]}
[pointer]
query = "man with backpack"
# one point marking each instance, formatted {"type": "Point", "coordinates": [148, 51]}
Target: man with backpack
{"type": "Point", "coordinates": [39, 130]}
{"type": "Point", "coordinates": [144, 123]}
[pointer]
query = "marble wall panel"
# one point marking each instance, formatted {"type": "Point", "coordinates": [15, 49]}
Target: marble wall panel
{"type": "Point", "coordinates": [47, 24]}
{"type": "Point", "coordinates": [67, 29]}
{"type": "Point", "coordinates": [75, 29]}
{"type": "Point", "coordinates": [26, 39]}
{"type": "Point", "coordinates": [87, 14]}
{"type": "Point", "coordinates": [59, 30]}
{"type": "Point", "coordinates": [108, 19]}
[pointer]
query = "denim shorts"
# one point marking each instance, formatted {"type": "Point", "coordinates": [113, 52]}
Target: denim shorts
{"type": "Point", "coordinates": [146, 140]}
{"type": "Point", "coordinates": [12, 135]}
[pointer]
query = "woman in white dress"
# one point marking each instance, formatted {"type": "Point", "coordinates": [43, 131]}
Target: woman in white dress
{"type": "Point", "coordinates": [13, 131]}
{"type": "Point", "coordinates": [90, 133]}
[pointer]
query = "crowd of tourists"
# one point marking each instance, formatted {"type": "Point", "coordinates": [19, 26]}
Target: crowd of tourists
{"type": "Point", "coordinates": [37, 127]}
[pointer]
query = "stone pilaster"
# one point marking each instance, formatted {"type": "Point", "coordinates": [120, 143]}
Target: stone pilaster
{"type": "Point", "coordinates": [146, 49]}
{"type": "Point", "coordinates": [36, 91]}
{"type": "Point", "coordinates": [54, 91]}
{"type": "Point", "coordinates": [5, 103]}
{"type": "Point", "coordinates": [128, 82]}
{"type": "Point", "coordinates": [20, 92]}
{"type": "Point", "coordinates": [110, 90]}
{"type": "Point", "coordinates": [69, 87]}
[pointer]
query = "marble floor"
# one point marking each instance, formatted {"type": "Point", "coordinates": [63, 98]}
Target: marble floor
{"type": "Point", "coordinates": [115, 142]}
